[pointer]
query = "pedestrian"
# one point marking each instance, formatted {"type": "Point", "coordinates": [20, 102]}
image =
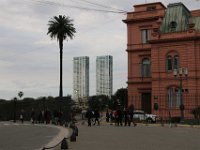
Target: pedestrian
{"type": "Point", "coordinates": [107, 116]}
{"type": "Point", "coordinates": [131, 114]}
{"type": "Point", "coordinates": [47, 116]}
{"type": "Point", "coordinates": [126, 116]}
{"type": "Point", "coordinates": [111, 117]}
{"type": "Point", "coordinates": [118, 115]}
{"type": "Point", "coordinates": [89, 116]}
{"type": "Point", "coordinates": [40, 117]}
{"type": "Point", "coordinates": [33, 116]}
{"type": "Point", "coordinates": [96, 117]}
{"type": "Point", "coordinates": [22, 118]}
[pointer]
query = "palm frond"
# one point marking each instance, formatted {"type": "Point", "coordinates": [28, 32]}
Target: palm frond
{"type": "Point", "coordinates": [61, 27]}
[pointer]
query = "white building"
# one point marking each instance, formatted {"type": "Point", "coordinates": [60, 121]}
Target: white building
{"type": "Point", "coordinates": [80, 78]}
{"type": "Point", "coordinates": [104, 75]}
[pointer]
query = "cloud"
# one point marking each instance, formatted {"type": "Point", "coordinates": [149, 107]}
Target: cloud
{"type": "Point", "coordinates": [29, 59]}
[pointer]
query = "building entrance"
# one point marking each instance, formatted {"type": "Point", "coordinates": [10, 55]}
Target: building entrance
{"type": "Point", "coordinates": [146, 102]}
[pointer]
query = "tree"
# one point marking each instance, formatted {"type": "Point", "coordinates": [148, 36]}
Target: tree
{"type": "Point", "coordinates": [122, 97]}
{"type": "Point", "coordinates": [61, 28]}
{"type": "Point", "coordinates": [99, 102]}
{"type": "Point", "coordinates": [20, 94]}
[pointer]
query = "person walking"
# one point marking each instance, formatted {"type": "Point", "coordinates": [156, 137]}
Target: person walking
{"type": "Point", "coordinates": [22, 118]}
{"type": "Point", "coordinates": [33, 116]}
{"type": "Point", "coordinates": [131, 113]}
{"type": "Point", "coordinates": [96, 117]}
{"type": "Point", "coordinates": [89, 116]}
{"type": "Point", "coordinates": [126, 117]}
{"type": "Point", "coordinates": [119, 117]}
{"type": "Point", "coordinates": [107, 116]}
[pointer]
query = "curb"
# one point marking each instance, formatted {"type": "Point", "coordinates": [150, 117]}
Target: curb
{"type": "Point", "coordinates": [64, 132]}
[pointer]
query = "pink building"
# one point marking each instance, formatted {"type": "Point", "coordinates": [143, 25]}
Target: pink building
{"type": "Point", "coordinates": [164, 41]}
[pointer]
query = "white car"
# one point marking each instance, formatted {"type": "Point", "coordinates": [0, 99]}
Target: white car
{"type": "Point", "coordinates": [141, 116]}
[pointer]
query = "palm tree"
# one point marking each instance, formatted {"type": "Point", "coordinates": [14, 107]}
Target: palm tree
{"type": "Point", "coordinates": [61, 28]}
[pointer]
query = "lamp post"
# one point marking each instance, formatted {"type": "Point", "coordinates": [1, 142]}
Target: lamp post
{"type": "Point", "coordinates": [180, 74]}
{"type": "Point", "coordinates": [15, 102]}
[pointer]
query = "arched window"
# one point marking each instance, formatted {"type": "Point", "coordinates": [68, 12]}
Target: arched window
{"type": "Point", "coordinates": [176, 62]}
{"type": "Point", "coordinates": [170, 96]}
{"type": "Point", "coordinates": [169, 63]}
{"type": "Point", "coordinates": [174, 97]}
{"type": "Point", "coordinates": [172, 62]}
{"type": "Point", "coordinates": [178, 97]}
{"type": "Point", "coordinates": [145, 68]}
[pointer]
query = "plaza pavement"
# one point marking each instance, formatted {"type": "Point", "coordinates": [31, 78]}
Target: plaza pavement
{"type": "Point", "coordinates": [141, 137]}
{"type": "Point", "coordinates": [104, 137]}
{"type": "Point", "coordinates": [17, 136]}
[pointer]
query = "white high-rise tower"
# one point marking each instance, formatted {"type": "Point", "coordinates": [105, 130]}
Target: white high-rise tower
{"type": "Point", "coordinates": [104, 75]}
{"type": "Point", "coordinates": [81, 78]}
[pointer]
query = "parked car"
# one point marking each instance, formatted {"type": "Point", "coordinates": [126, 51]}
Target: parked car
{"type": "Point", "coordinates": [142, 116]}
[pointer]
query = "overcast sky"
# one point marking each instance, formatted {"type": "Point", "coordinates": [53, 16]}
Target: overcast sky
{"type": "Point", "coordinates": [29, 59]}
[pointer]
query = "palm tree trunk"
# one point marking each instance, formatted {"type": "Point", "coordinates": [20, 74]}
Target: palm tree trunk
{"type": "Point", "coordinates": [61, 57]}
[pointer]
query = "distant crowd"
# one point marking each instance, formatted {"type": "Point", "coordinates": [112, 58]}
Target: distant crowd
{"type": "Point", "coordinates": [118, 117]}
{"type": "Point", "coordinates": [45, 117]}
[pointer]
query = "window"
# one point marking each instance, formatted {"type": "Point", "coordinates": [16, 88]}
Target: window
{"type": "Point", "coordinates": [174, 97]}
{"type": "Point", "coordinates": [151, 8]}
{"type": "Point", "coordinates": [178, 97]}
{"type": "Point", "coordinates": [169, 63]}
{"type": "Point", "coordinates": [145, 69]}
{"type": "Point", "coordinates": [170, 97]}
{"type": "Point", "coordinates": [173, 25]}
{"type": "Point", "coordinates": [145, 36]}
{"type": "Point", "coordinates": [172, 62]}
{"type": "Point", "coordinates": [176, 62]}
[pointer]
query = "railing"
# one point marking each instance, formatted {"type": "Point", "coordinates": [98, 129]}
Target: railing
{"type": "Point", "coordinates": [166, 106]}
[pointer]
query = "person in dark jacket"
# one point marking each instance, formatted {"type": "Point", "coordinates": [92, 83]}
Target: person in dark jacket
{"type": "Point", "coordinates": [96, 117]}
{"type": "Point", "coordinates": [119, 116]}
{"type": "Point", "coordinates": [89, 116]}
{"type": "Point", "coordinates": [107, 116]}
{"type": "Point", "coordinates": [131, 117]}
{"type": "Point", "coordinates": [126, 117]}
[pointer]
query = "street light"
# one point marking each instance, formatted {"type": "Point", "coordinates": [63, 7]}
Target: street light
{"type": "Point", "coordinates": [15, 102]}
{"type": "Point", "coordinates": [180, 74]}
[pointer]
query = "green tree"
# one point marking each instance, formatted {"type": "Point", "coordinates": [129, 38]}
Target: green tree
{"type": "Point", "coordinates": [61, 28]}
{"type": "Point", "coordinates": [121, 96]}
{"type": "Point", "coordinates": [99, 102]}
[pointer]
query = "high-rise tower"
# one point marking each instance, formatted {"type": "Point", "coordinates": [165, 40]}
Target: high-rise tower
{"type": "Point", "coordinates": [104, 75]}
{"type": "Point", "coordinates": [80, 78]}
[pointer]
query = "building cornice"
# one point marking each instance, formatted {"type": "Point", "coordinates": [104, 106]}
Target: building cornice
{"type": "Point", "coordinates": [174, 39]}
{"type": "Point", "coordinates": [132, 50]}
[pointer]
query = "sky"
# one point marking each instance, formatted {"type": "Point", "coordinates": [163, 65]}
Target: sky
{"type": "Point", "coordinates": [29, 58]}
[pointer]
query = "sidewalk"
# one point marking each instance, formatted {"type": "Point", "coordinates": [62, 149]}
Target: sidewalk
{"type": "Point", "coordinates": [141, 137]}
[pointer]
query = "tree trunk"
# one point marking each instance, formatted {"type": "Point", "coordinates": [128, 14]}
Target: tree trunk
{"type": "Point", "coordinates": [61, 56]}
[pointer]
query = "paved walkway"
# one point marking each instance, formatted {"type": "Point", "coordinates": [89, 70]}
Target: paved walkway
{"type": "Point", "coordinates": [141, 137]}
{"type": "Point", "coordinates": [26, 136]}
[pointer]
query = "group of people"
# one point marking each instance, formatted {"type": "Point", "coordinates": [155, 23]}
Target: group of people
{"type": "Point", "coordinates": [92, 116]}
{"type": "Point", "coordinates": [41, 117]}
{"type": "Point", "coordinates": [120, 116]}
